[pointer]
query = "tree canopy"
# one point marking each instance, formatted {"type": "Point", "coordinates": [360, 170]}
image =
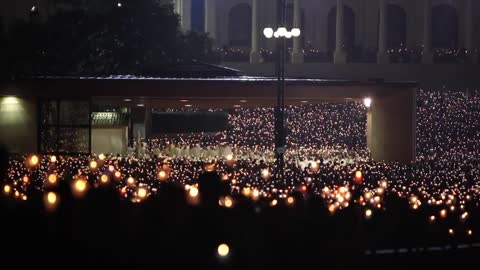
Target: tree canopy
{"type": "Point", "coordinates": [93, 39]}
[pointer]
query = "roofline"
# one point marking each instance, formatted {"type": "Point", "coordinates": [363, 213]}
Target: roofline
{"type": "Point", "coordinates": [245, 79]}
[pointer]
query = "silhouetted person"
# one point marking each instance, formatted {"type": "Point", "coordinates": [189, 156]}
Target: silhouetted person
{"type": "Point", "coordinates": [210, 187]}
{"type": "Point", "coordinates": [3, 161]}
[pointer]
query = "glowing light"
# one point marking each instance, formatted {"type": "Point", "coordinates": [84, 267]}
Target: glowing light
{"type": "Point", "coordinates": [331, 208]}
{"type": "Point", "coordinates": [162, 175]}
{"type": "Point", "coordinates": [93, 165]}
{"type": "Point", "coordinates": [384, 184]}
{"type": "Point", "coordinates": [432, 218]}
{"type": "Point", "coordinates": [273, 202]}
{"type": "Point", "coordinates": [102, 156]}
{"type": "Point", "coordinates": [53, 159]}
{"type": "Point", "coordinates": [443, 213]}
{"type": "Point", "coordinates": [228, 202]}
{"type": "Point", "coordinates": [464, 216]}
{"type": "Point", "coordinates": [142, 193]}
{"type": "Point", "coordinates": [314, 166]}
{"type": "Point", "coordinates": [24, 197]}
{"type": "Point", "coordinates": [34, 160]}
{"type": "Point", "coordinates": [358, 177]}
{"type": "Point", "coordinates": [10, 101]}
{"type": "Point", "coordinates": [7, 189]}
{"type": "Point", "coordinates": [130, 181]}
{"type": "Point", "coordinates": [265, 173]}
{"type": "Point", "coordinates": [451, 232]}
{"type": "Point", "coordinates": [296, 32]}
{"type": "Point", "coordinates": [25, 179]}
{"type": "Point", "coordinates": [223, 250]}
{"type": "Point", "coordinates": [210, 167]}
{"type": "Point", "coordinates": [52, 179]}
{"type": "Point", "coordinates": [282, 31]}
{"type": "Point", "coordinates": [51, 198]}
{"type": "Point", "coordinates": [367, 102]}
{"type": "Point", "coordinates": [246, 192]}
{"type": "Point", "coordinates": [268, 32]}
{"type": "Point", "coordinates": [368, 213]}
{"type": "Point", "coordinates": [229, 157]}
{"type": "Point", "coordinates": [80, 185]}
{"type": "Point", "coordinates": [104, 179]}
{"type": "Point", "coordinates": [111, 168]}
{"type": "Point", "coordinates": [193, 192]}
{"type": "Point", "coordinates": [288, 34]}
{"type": "Point", "coordinates": [413, 199]}
{"type": "Point", "coordinates": [255, 194]}
{"type": "Point", "coordinates": [469, 232]}
{"type": "Point", "coordinates": [290, 200]}
{"type": "Point", "coordinates": [119, 4]}
{"type": "Point", "coordinates": [117, 174]}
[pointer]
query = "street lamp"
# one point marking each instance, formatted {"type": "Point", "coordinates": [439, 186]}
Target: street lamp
{"type": "Point", "coordinates": [281, 35]}
{"type": "Point", "coordinates": [281, 32]}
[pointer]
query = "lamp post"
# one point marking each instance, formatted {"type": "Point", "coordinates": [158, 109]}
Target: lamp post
{"type": "Point", "coordinates": [281, 34]}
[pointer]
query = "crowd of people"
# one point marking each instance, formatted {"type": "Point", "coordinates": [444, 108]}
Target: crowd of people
{"type": "Point", "coordinates": [400, 54]}
{"type": "Point", "coordinates": [333, 197]}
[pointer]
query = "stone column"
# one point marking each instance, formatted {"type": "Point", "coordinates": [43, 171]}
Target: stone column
{"type": "Point", "coordinates": [184, 9]}
{"type": "Point", "coordinates": [255, 55]}
{"type": "Point", "coordinates": [391, 124]}
{"type": "Point", "coordinates": [211, 19]}
{"type": "Point", "coordinates": [297, 56]}
{"type": "Point", "coordinates": [427, 32]}
{"type": "Point", "coordinates": [339, 56]}
{"type": "Point", "coordinates": [19, 123]}
{"type": "Point", "coordinates": [382, 55]}
{"type": "Point", "coordinates": [469, 44]}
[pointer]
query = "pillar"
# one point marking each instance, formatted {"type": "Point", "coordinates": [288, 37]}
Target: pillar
{"type": "Point", "coordinates": [339, 56]}
{"type": "Point", "coordinates": [297, 56]}
{"type": "Point", "coordinates": [19, 123]}
{"type": "Point", "coordinates": [427, 32]}
{"type": "Point", "coordinates": [255, 55]}
{"type": "Point", "coordinates": [369, 129]}
{"type": "Point", "coordinates": [184, 9]}
{"type": "Point", "coordinates": [469, 44]}
{"type": "Point", "coordinates": [211, 19]}
{"type": "Point", "coordinates": [391, 125]}
{"type": "Point", "coordinates": [382, 55]}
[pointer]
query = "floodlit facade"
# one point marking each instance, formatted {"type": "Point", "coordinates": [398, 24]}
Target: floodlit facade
{"type": "Point", "coordinates": [379, 31]}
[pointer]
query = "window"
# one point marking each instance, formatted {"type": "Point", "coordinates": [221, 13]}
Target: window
{"type": "Point", "coordinates": [240, 25]}
{"type": "Point", "coordinates": [65, 126]}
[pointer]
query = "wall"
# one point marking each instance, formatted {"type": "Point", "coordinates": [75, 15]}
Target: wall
{"type": "Point", "coordinates": [391, 126]}
{"type": "Point", "coordinates": [109, 140]}
{"type": "Point", "coordinates": [18, 124]}
{"type": "Point", "coordinates": [427, 75]}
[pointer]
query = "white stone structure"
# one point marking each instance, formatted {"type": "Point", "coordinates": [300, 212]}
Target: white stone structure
{"type": "Point", "coordinates": [366, 24]}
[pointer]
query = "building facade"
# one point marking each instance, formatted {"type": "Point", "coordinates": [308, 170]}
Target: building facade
{"type": "Point", "coordinates": [373, 30]}
{"type": "Point", "coordinates": [376, 29]}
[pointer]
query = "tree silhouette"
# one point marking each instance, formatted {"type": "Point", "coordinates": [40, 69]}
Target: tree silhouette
{"type": "Point", "coordinates": [88, 38]}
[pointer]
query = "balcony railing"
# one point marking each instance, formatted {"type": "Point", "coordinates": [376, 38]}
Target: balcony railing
{"type": "Point", "coordinates": [358, 55]}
